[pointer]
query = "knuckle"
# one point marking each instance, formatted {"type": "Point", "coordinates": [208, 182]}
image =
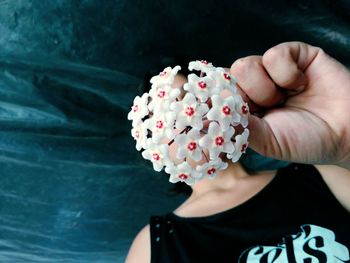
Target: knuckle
{"type": "Point", "coordinates": [236, 63]}
{"type": "Point", "coordinates": [245, 62]}
{"type": "Point", "coordinates": [288, 79]}
{"type": "Point", "coordinates": [241, 66]}
{"type": "Point", "coordinates": [270, 56]}
{"type": "Point", "coordinates": [238, 69]}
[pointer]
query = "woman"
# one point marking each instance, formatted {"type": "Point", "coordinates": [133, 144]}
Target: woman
{"type": "Point", "coordinates": [299, 212]}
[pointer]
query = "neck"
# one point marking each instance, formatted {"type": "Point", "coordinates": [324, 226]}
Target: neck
{"type": "Point", "coordinates": [225, 179]}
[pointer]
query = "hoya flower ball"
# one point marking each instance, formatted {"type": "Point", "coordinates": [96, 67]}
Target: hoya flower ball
{"type": "Point", "coordinates": [186, 130]}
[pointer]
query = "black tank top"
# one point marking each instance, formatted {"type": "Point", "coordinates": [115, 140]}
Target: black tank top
{"type": "Point", "coordinates": [295, 218]}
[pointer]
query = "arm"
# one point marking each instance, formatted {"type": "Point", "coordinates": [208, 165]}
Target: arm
{"type": "Point", "coordinates": [140, 250]}
{"type": "Point", "coordinates": [338, 181]}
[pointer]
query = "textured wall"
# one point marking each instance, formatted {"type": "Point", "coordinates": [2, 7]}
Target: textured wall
{"type": "Point", "coordinates": [72, 186]}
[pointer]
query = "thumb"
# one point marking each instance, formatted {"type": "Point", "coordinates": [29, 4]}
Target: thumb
{"type": "Point", "coordinates": [262, 139]}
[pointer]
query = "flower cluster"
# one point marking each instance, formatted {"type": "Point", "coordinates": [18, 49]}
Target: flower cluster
{"type": "Point", "coordinates": [203, 124]}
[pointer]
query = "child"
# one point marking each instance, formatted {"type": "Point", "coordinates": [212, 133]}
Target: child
{"type": "Point", "coordinates": [300, 212]}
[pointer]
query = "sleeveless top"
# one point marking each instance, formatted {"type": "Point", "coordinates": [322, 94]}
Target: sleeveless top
{"type": "Point", "coordinates": [295, 218]}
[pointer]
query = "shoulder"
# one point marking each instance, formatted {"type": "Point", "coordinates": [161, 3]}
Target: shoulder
{"type": "Point", "coordinates": [140, 250]}
{"type": "Point", "coordinates": [338, 181]}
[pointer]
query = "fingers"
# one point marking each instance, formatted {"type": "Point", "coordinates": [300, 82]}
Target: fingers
{"type": "Point", "coordinates": [286, 63]}
{"type": "Point", "coordinates": [255, 82]}
{"type": "Point", "coordinates": [283, 66]}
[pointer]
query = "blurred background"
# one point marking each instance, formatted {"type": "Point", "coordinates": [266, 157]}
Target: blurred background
{"type": "Point", "coordinates": [73, 188]}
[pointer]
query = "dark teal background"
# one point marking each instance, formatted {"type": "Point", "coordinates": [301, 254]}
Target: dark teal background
{"type": "Point", "coordinates": [72, 186]}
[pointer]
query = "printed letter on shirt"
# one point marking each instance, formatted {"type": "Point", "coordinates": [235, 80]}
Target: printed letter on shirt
{"type": "Point", "coordinates": [313, 244]}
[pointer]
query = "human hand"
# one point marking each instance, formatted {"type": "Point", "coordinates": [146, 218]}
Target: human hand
{"type": "Point", "coordinates": [313, 123]}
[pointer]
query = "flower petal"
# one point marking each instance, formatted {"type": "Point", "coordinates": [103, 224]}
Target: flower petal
{"type": "Point", "coordinates": [181, 139]}
{"type": "Point", "coordinates": [197, 123]}
{"type": "Point", "coordinates": [181, 153]}
{"type": "Point", "coordinates": [214, 129]}
{"type": "Point", "coordinates": [206, 141]}
{"type": "Point", "coordinates": [228, 147]}
{"type": "Point", "coordinates": [214, 153]}
{"type": "Point", "coordinates": [225, 123]}
{"type": "Point", "coordinates": [197, 155]}
{"type": "Point", "coordinates": [229, 133]}
{"type": "Point", "coordinates": [213, 114]}
{"type": "Point", "coordinates": [216, 100]}
{"type": "Point", "coordinates": [157, 166]}
{"type": "Point", "coordinates": [181, 123]}
{"type": "Point", "coordinates": [174, 179]}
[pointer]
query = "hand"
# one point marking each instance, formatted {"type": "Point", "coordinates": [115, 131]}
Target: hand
{"type": "Point", "coordinates": [313, 123]}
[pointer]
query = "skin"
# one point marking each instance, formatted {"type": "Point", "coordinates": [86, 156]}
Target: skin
{"type": "Point", "coordinates": [299, 98]}
{"type": "Point", "coordinates": [313, 125]}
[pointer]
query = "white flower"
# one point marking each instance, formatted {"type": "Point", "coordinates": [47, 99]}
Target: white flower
{"type": "Point", "coordinates": [211, 168]}
{"type": "Point", "coordinates": [167, 76]}
{"type": "Point", "coordinates": [202, 88]}
{"type": "Point", "coordinates": [162, 97]}
{"type": "Point", "coordinates": [200, 65]}
{"type": "Point", "coordinates": [160, 119]}
{"type": "Point", "coordinates": [162, 126]}
{"type": "Point", "coordinates": [182, 172]}
{"type": "Point", "coordinates": [241, 145]}
{"type": "Point", "coordinates": [217, 141]}
{"type": "Point", "coordinates": [139, 109]}
{"type": "Point", "coordinates": [243, 109]}
{"type": "Point", "coordinates": [189, 112]}
{"type": "Point", "coordinates": [139, 133]}
{"type": "Point", "coordinates": [223, 111]}
{"type": "Point", "coordinates": [223, 79]}
{"type": "Point", "coordinates": [157, 154]}
{"type": "Point", "coordinates": [188, 145]}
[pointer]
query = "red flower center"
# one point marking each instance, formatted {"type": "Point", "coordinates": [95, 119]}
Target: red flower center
{"type": "Point", "coordinates": [219, 140]}
{"type": "Point", "coordinates": [159, 124]}
{"type": "Point", "coordinates": [226, 110]}
{"type": "Point", "coordinates": [189, 111]}
{"type": "Point", "coordinates": [211, 171]}
{"type": "Point", "coordinates": [183, 176]}
{"type": "Point", "coordinates": [156, 156]}
{"type": "Point", "coordinates": [204, 62]}
{"type": "Point", "coordinates": [244, 147]}
{"type": "Point", "coordinates": [161, 94]}
{"type": "Point", "coordinates": [137, 134]}
{"type": "Point", "coordinates": [202, 84]}
{"type": "Point", "coordinates": [163, 73]}
{"type": "Point", "coordinates": [226, 76]}
{"type": "Point", "coordinates": [244, 109]}
{"type": "Point", "coordinates": [192, 146]}
{"type": "Point", "coordinates": [135, 108]}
